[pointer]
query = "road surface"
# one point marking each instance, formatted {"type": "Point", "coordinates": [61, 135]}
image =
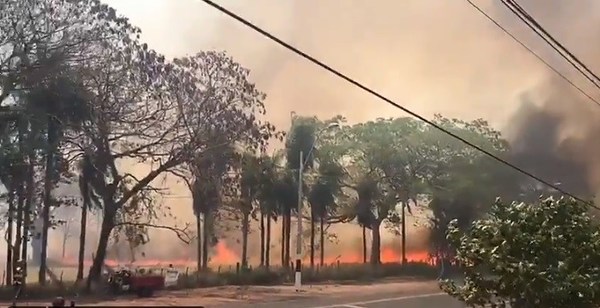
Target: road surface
{"type": "Point", "coordinates": [378, 300]}
{"type": "Point", "coordinates": [392, 294]}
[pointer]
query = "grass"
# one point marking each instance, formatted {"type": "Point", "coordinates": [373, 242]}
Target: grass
{"type": "Point", "coordinates": [341, 273]}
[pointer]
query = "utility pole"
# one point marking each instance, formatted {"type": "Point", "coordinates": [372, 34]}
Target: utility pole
{"type": "Point", "coordinates": [298, 274]}
{"type": "Point", "coordinates": [301, 164]}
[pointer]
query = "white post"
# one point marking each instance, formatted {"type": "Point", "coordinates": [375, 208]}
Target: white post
{"type": "Point", "coordinates": [298, 267]}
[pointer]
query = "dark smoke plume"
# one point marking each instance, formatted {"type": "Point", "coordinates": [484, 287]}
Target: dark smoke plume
{"type": "Point", "coordinates": [554, 133]}
{"type": "Point", "coordinates": [539, 148]}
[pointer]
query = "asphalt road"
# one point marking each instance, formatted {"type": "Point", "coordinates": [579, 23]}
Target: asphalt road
{"type": "Point", "coordinates": [380, 300]}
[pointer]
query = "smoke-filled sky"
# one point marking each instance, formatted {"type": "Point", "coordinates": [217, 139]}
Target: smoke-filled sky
{"type": "Point", "coordinates": [433, 56]}
{"type": "Point", "coordinates": [430, 55]}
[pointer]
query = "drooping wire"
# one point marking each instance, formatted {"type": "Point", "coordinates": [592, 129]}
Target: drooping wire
{"type": "Point", "coordinates": [552, 68]}
{"type": "Point", "coordinates": [386, 99]}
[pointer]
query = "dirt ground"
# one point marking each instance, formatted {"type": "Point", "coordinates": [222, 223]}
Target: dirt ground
{"type": "Point", "coordinates": [228, 295]}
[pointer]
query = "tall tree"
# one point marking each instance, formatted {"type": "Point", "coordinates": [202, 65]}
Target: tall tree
{"type": "Point", "coordinates": [464, 182]}
{"type": "Point", "coordinates": [87, 172]}
{"type": "Point", "coordinates": [322, 199]}
{"type": "Point", "coordinates": [286, 194]}
{"type": "Point", "coordinates": [300, 157]}
{"type": "Point", "coordinates": [249, 186]}
{"type": "Point", "coordinates": [176, 112]}
{"type": "Point", "coordinates": [267, 198]}
{"type": "Point", "coordinates": [38, 46]}
{"type": "Point", "coordinates": [389, 162]}
{"type": "Point", "coordinates": [60, 105]}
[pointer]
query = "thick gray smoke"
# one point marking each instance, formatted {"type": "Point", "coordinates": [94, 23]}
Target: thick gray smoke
{"type": "Point", "coordinates": [554, 132]}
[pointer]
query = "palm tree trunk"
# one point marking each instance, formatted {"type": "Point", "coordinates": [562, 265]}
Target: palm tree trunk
{"type": "Point", "coordinates": [48, 185]}
{"type": "Point", "coordinates": [29, 197]}
{"type": "Point", "coordinates": [82, 234]}
{"type": "Point", "coordinates": [268, 243]}
{"type": "Point", "coordinates": [245, 230]}
{"type": "Point", "coordinates": [283, 240]}
{"type": "Point", "coordinates": [20, 207]}
{"type": "Point", "coordinates": [198, 242]}
{"type": "Point", "coordinates": [404, 232]}
{"type": "Point", "coordinates": [9, 235]}
{"type": "Point", "coordinates": [376, 244]}
{"type": "Point", "coordinates": [322, 239]}
{"type": "Point", "coordinates": [262, 239]}
{"type": "Point", "coordinates": [312, 240]}
{"type": "Point", "coordinates": [21, 197]}
{"type": "Point", "coordinates": [20, 190]}
{"type": "Point", "coordinates": [364, 244]}
{"type": "Point", "coordinates": [288, 234]}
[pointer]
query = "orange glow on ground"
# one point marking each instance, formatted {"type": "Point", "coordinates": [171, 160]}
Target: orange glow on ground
{"type": "Point", "coordinates": [225, 256]}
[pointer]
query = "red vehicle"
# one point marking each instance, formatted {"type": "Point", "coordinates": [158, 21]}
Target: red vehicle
{"type": "Point", "coordinates": [141, 283]}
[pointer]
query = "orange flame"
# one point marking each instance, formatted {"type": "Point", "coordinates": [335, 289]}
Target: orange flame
{"type": "Point", "coordinates": [223, 255]}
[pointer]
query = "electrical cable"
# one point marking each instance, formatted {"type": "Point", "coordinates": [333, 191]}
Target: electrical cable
{"type": "Point", "coordinates": [526, 18]}
{"type": "Point", "coordinates": [556, 71]}
{"type": "Point", "coordinates": [385, 99]}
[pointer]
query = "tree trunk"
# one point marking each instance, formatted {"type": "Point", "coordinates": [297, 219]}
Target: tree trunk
{"type": "Point", "coordinates": [312, 241]}
{"type": "Point", "coordinates": [322, 239]}
{"type": "Point", "coordinates": [9, 235]}
{"type": "Point", "coordinates": [198, 242]}
{"type": "Point", "coordinates": [20, 209]}
{"type": "Point", "coordinates": [262, 239]}
{"type": "Point", "coordinates": [245, 231]}
{"type": "Point", "coordinates": [105, 231]}
{"type": "Point", "coordinates": [20, 190]}
{"type": "Point", "coordinates": [82, 234]}
{"type": "Point", "coordinates": [29, 197]}
{"type": "Point", "coordinates": [268, 243]}
{"type": "Point", "coordinates": [288, 234]}
{"type": "Point", "coordinates": [283, 240]}
{"type": "Point", "coordinates": [404, 232]}
{"type": "Point", "coordinates": [206, 224]}
{"type": "Point", "coordinates": [376, 244]}
{"type": "Point", "coordinates": [48, 185]}
{"type": "Point", "coordinates": [364, 244]}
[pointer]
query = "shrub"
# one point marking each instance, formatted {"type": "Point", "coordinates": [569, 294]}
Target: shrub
{"type": "Point", "coordinates": [537, 255]}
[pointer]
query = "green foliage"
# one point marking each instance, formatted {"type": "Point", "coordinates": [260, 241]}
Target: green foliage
{"type": "Point", "coordinates": [463, 181]}
{"type": "Point", "coordinates": [544, 254]}
{"type": "Point", "coordinates": [301, 138]}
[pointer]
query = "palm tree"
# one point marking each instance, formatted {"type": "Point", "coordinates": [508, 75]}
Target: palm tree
{"type": "Point", "coordinates": [209, 179]}
{"type": "Point", "coordinates": [87, 174]}
{"type": "Point", "coordinates": [10, 175]}
{"type": "Point", "coordinates": [60, 104]}
{"type": "Point", "coordinates": [286, 194]}
{"type": "Point", "coordinates": [267, 204]}
{"type": "Point", "coordinates": [250, 182]}
{"type": "Point", "coordinates": [322, 197]}
{"type": "Point", "coordinates": [301, 139]}
{"type": "Point", "coordinates": [368, 193]}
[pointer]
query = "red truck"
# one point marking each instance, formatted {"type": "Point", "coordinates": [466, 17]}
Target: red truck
{"type": "Point", "coordinates": [141, 283]}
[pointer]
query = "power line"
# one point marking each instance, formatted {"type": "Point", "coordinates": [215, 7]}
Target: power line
{"type": "Point", "coordinates": [525, 17]}
{"type": "Point", "coordinates": [561, 75]}
{"type": "Point", "coordinates": [380, 96]}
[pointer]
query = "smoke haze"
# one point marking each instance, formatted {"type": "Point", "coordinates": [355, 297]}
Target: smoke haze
{"type": "Point", "coordinates": [431, 56]}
